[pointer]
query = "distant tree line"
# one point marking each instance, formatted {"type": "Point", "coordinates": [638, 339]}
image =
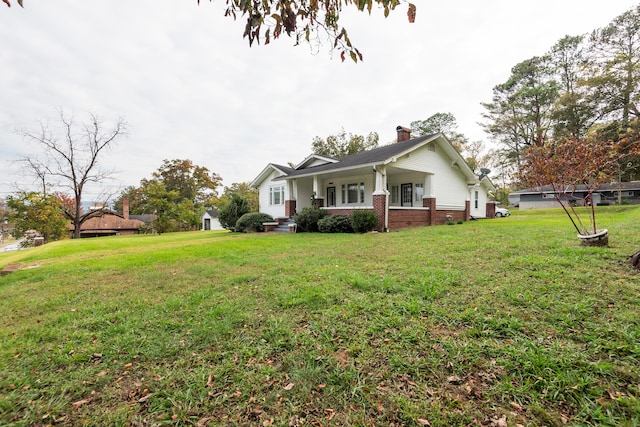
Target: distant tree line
{"type": "Point", "coordinates": [584, 86]}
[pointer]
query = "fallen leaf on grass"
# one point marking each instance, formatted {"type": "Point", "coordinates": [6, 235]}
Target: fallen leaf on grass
{"type": "Point", "coordinates": [454, 379]}
{"type": "Point", "coordinates": [203, 422]}
{"type": "Point", "coordinates": [516, 406]}
{"type": "Point", "coordinates": [329, 413]}
{"type": "Point", "coordinates": [210, 380]}
{"type": "Point", "coordinates": [289, 386]}
{"type": "Point", "coordinates": [79, 403]}
{"type": "Point", "coordinates": [145, 398]}
{"type": "Point", "coordinates": [423, 422]}
{"type": "Point", "coordinates": [500, 422]}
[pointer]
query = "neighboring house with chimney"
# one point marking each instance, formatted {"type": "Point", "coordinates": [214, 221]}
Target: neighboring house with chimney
{"type": "Point", "coordinates": [413, 182]}
{"type": "Point", "coordinates": [108, 223]}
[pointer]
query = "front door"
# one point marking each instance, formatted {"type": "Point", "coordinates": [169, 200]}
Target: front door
{"type": "Point", "coordinates": [331, 196]}
{"type": "Point", "coordinates": [406, 195]}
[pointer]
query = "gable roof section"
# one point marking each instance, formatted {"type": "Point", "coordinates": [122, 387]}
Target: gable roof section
{"type": "Point", "coordinates": [315, 158]}
{"type": "Point", "coordinates": [271, 167]}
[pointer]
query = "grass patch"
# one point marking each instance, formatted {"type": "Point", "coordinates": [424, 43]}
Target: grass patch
{"type": "Point", "coordinates": [500, 319]}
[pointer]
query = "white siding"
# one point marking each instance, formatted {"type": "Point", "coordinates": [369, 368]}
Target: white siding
{"type": "Point", "coordinates": [481, 210]}
{"type": "Point", "coordinates": [448, 184]}
{"type": "Point", "coordinates": [265, 207]}
{"type": "Point", "coordinates": [304, 190]}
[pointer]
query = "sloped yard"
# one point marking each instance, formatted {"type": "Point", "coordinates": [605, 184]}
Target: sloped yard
{"type": "Point", "coordinates": [500, 322]}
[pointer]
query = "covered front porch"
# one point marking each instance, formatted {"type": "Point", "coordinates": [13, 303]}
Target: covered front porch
{"type": "Point", "coordinates": [398, 197]}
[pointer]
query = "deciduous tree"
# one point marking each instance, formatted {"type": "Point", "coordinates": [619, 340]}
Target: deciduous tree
{"type": "Point", "coordinates": [190, 181]}
{"type": "Point", "coordinates": [561, 166]}
{"type": "Point", "coordinates": [69, 157]}
{"type": "Point", "coordinates": [43, 213]}
{"type": "Point", "coordinates": [177, 193]}
{"type": "Point", "coordinates": [343, 144]}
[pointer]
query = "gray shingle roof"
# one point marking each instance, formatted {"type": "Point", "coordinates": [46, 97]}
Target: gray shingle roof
{"type": "Point", "coordinates": [374, 156]}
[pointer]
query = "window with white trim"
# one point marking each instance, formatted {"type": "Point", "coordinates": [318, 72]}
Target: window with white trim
{"type": "Point", "coordinates": [395, 194]}
{"type": "Point", "coordinates": [352, 193]}
{"type": "Point", "coordinates": [276, 195]}
{"type": "Point", "coordinates": [418, 192]}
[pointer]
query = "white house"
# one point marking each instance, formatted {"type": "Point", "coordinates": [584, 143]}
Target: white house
{"type": "Point", "coordinates": [420, 181]}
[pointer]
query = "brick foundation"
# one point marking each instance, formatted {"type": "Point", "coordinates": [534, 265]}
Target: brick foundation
{"type": "Point", "coordinates": [402, 218]}
{"type": "Point", "coordinates": [441, 216]}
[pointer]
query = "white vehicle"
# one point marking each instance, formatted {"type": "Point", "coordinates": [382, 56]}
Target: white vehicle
{"type": "Point", "coordinates": [500, 212]}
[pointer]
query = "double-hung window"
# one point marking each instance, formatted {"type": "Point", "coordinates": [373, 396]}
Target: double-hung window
{"type": "Point", "coordinates": [276, 195]}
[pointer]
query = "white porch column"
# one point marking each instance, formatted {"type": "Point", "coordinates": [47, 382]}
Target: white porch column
{"type": "Point", "coordinates": [381, 180]}
{"type": "Point", "coordinates": [292, 189]}
{"type": "Point", "coordinates": [428, 190]}
{"type": "Point", "coordinates": [316, 186]}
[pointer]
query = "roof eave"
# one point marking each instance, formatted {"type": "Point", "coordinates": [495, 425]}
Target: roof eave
{"type": "Point", "coordinates": [264, 174]}
{"type": "Point", "coordinates": [330, 171]}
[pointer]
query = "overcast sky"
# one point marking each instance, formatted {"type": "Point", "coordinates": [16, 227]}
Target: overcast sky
{"type": "Point", "coordinates": [190, 87]}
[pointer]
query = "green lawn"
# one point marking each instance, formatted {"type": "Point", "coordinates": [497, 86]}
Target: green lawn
{"type": "Point", "coordinates": [501, 322]}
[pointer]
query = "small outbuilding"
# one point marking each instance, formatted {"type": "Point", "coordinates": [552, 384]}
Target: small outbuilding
{"type": "Point", "coordinates": [210, 220]}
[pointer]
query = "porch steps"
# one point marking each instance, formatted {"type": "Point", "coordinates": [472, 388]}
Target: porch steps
{"type": "Point", "coordinates": [285, 225]}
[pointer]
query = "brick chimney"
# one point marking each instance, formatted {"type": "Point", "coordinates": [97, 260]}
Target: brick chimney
{"type": "Point", "coordinates": [125, 208]}
{"type": "Point", "coordinates": [404, 134]}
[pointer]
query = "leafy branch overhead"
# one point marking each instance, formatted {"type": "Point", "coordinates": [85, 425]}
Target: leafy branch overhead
{"type": "Point", "coordinates": [9, 3]}
{"type": "Point", "coordinates": [302, 19]}
{"type": "Point", "coordinates": [305, 20]}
